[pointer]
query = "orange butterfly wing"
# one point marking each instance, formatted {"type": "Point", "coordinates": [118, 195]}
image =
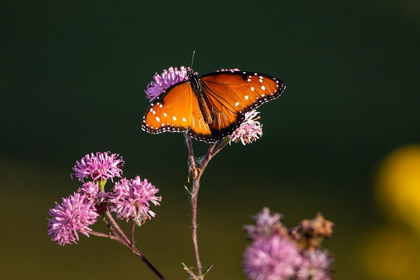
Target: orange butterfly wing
{"type": "Point", "coordinates": [177, 110]}
{"type": "Point", "coordinates": [233, 93]}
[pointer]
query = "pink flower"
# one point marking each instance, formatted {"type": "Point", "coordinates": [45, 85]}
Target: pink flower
{"type": "Point", "coordinates": [275, 258]}
{"type": "Point", "coordinates": [131, 199]}
{"type": "Point", "coordinates": [92, 193]}
{"type": "Point", "coordinates": [165, 80]}
{"type": "Point", "coordinates": [90, 190]}
{"type": "Point", "coordinates": [99, 167]}
{"type": "Point", "coordinates": [266, 224]}
{"type": "Point", "coordinates": [74, 215]}
{"type": "Point", "coordinates": [315, 266]}
{"type": "Point", "coordinates": [249, 131]}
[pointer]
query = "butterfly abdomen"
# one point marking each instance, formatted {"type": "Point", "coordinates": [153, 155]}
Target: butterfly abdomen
{"type": "Point", "coordinates": [204, 108]}
{"type": "Point", "coordinates": [199, 93]}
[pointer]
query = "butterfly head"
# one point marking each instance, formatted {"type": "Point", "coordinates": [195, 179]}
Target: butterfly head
{"type": "Point", "coordinates": [191, 73]}
{"type": "Point", "coordinates": [194, 80]}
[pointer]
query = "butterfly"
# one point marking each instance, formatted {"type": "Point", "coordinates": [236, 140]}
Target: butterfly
{"type": "Point", "coordinates": [211, 107]}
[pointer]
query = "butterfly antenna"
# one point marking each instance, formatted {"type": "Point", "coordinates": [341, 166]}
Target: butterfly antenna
{"type": "Point", "coordinates": [192, 60]}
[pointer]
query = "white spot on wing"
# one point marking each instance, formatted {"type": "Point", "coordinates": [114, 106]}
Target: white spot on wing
{"type": "Point", "coordinates": [184, 120]}
{"type": "Point", "coordinates": [252, 88]}
{"type": "Point", "coordinates": [165, 114]}
{"type": "Point", "coordinates": [246, 97]}
{"type": "Point", "coordinates": [157, 119]}
{"type": "Point", "coordinates": [237, 104]}
{"type": "Point", "coordinates": [263, 87]}
{"type": "Point", "coordinates": [174, 118]}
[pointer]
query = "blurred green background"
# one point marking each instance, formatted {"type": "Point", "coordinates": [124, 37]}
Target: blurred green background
{"type": "Point", "coordinates": [72, 81]}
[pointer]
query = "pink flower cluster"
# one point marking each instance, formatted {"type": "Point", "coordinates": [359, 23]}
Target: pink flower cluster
{"type": "Point", "coordinates": [129, 199]}
{"type": "Point", "coordinates": [165, 80]}
{"type": "Point", "coordinates": [249, 131]}
{"type": "Point", "coordinates": [273, 254]}
{"type": "Point", "coordinates": [99, 167]}
{"type": "Point", "coordinates": [271, 258]}
{"type": "Point", "coordinates": [74, 215]}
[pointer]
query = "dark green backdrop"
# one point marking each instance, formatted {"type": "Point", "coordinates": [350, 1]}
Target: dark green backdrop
{"type": "Point", "coordinates": [72, 81]}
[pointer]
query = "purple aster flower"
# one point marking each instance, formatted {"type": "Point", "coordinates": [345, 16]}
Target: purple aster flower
{"type": "Point", "coordinates": [266, 224]}
{"type": "Point", "coordinates": [275, 258]}
{"type": "Point", "coordinates": [90, 190]}
{"type": "Point", "coordinates": [249, 131]}
{"type": "Point", "coordinates": [75, 214]}
{"type": "Point", "coordinates": [99, 167]}
{"type": "Point", "coordinates": [131, 199]}
{"type": "Point", "coordinates": [315, 266]}
{"type": "Point", "coordinates": [165, 80]}
{"type": "Point", "coordinates": [95, 196]}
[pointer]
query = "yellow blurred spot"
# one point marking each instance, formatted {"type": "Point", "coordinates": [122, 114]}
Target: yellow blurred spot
{"type": "Point", "coordinates": [398, 190]}
{"type": "Point", "coordinates": [390, 254]}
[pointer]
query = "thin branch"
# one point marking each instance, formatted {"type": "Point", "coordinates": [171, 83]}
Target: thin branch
{"type": "Point", "coordinates": [194, 206]}
{"type": "Point", "coordinates": [146, 261]}
{"type": "Point", "coordinates": [194, 222]}
{"type": "Point", "coordinates": [101, 234]}
{"type": "Point", "coordinates": [110, 236]}
{"type": "Point", "coordinates": [133, 228]}
{"type": "Point", "coordinates": [187, 269]}
{"type": "Point", "coordinates": [116, 226]}
{"type": "Point", "coordinates": [208, 157]}
{"type": "Point", "coordinates": [221, 146]}
{"type": "Point", "coordinates": [115, 234]}
{"type": "Point", "coordinates": [193, 168]}
{"type": "Point", "coordinates": [126, 243]}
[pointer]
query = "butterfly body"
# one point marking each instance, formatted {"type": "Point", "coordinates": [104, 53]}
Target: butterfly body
{"type": "Point", "coordinates": [212, 106]}
{"type": "Point", "coordinates": [199, 93]}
